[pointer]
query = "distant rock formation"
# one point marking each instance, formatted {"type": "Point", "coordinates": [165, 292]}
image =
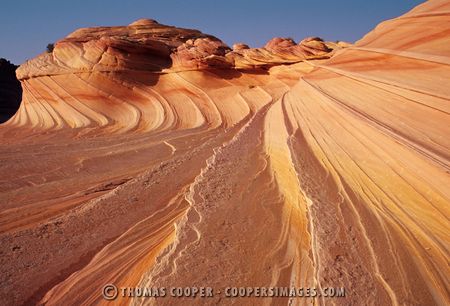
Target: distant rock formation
{"type": "Point", "coordinates": [280, 51]}
{"type": "Point", "coordinates": [240, 46]}
{"type": "Point", "coordinates": [10, 90]}
{"type": "Point", "coordinates": [146, 45]}
{"type": "Point", "coordinates": [201, 53]}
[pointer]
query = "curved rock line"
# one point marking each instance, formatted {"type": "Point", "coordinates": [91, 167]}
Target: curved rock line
{"type": "Point", "coordinates": [153, 156]}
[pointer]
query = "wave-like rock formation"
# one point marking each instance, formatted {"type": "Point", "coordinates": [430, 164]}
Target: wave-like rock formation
{"type": "Point", "coordinates": [10, 90]}
{"type": "Point", "coordinates": [154, 156]}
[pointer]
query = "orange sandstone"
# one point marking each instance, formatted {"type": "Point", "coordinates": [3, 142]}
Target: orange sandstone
{"type": "Point", "coordinates": [149, 155]}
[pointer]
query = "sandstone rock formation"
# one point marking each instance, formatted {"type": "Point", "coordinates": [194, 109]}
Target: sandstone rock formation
{"type": "Point", "coordinates": [240, 46]}
{"type": "Point", "coordinates": [200, 53]}
{"type": "Point", "coordinates": [144, 45]}
{"type": "Point", "coordinates": [154, 156]}
{"type": "Point", "coordinates": [10, 90]}
{"type": "Point", "coordinates": [280, 51]}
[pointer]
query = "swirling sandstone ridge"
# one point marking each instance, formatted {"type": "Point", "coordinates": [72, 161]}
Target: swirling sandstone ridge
{"type": "Point", "coordinates": [154, 156]}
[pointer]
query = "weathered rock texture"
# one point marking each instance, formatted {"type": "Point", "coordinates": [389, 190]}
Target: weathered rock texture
{"type": "Point", "coordinates": [154, 156]}
{"type": "Point", "coordinates": [280, 51]}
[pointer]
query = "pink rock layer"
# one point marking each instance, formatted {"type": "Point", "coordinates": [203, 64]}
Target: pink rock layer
{"type": "Point", "coordinates": [154, 156]}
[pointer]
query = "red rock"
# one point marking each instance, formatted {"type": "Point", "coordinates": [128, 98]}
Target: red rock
{"type": "Point", "coordinates": [150, 156]}
{"type": "Point", "coordinates": [280, 51]}
{"type": "Point", "coordinates": [143, 22]}
{"type": "Point", "coordinates": [240, 46]}
{"type": "Point", "coordinates": [143, 45]}
{"type": "Point", "coordinates": [200, 53]}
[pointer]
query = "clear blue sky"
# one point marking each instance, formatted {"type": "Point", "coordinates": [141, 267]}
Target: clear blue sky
{"type": "Point", "coordinates": [27, 26]}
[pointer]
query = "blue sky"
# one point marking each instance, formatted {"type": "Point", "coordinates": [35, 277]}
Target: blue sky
{"type": "Point", "coordinates": [28, 26]}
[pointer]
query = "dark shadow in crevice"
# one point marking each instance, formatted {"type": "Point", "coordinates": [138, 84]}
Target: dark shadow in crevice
{"type": "Point", "coordinates": [10, 90]}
